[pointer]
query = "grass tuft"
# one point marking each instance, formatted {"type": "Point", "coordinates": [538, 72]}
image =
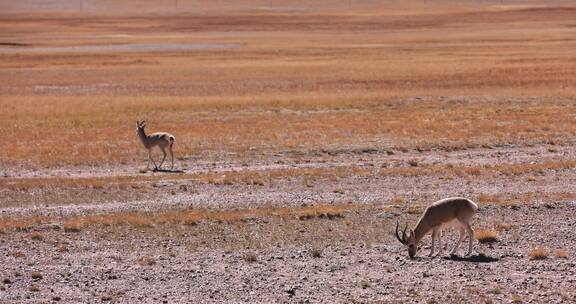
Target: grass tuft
{"type": "Point", "coordinates": [316, 252]}
{"type": "Point", "coordinates": [538, 253]}
{"type": "Point", "coordinates": [36, 276]}
{"type": "Point", "coordinates": [146, 261]}
{"type": "Point", "coordinates": [250, 257]}
{"type": "Point", "coordinates": [486, 236]}
{"type": "Point", "coordinates": [73, 226]}
{"type": "Point", "coordinates": [364, 284]}
{"type": "Point", "coordinates": [516, 299]}
{"type": "Point", "coordinates": [398, 200]}
{"type": "Point", "coordinates": [561, 254]}
{"type": "Point", "coordinates": [36, 236]}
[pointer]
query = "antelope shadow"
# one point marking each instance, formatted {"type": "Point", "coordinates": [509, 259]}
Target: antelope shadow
{"type": "Point", "coordinates": [479, 258]}
{"type": "Point", "coordinates": [167, 170]}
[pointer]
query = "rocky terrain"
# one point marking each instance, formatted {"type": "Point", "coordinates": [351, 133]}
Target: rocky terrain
{"type": "Point", "coordinates": [351, 256]}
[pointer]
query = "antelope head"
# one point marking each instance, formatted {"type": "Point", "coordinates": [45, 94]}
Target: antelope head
{"type": "Point", "coordinates": [140, 125]}
{"type": "Point", "coordinates": [409, 240]}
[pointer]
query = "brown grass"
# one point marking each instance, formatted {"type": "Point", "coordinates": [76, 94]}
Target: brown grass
{"type": "Point", "coordinates": [250, 257]}
{"type": "Point", "coordinates": [73, 226]}
{"type": "Point", "coordinates": [146, 261]}
{"type": "Point", "coordinates": [36, 276]}
{"type": "Point", "coordinates": [561, 254]}
{"type": "Point", "coordinates": [486, 236]}
{"type": "Point", "coordinates": [331, 73]}
{"type": "Point", "coordinates": [34, 288]}
{"type": "Point", "coordinates": [17, 254]}
{"type": "Point", "coordinates": [538, 253]}
{"type": "Point", "coordinates": [398, 200]}
{"type": "Point", "coordinates": [415, 209]}
{"type": "Point", "coordinates": [316, 252]}
{"type": "Point", "coordinates": [36, 236]}
{"type": "Point", "coordinates": [190, 218]}
{"type": "Point", "coordinates": [502, 226]}
{"type": "Point", "coordinates": [71, 190]}
{"type": "Point", "coordinates": [250, 229]}
{"type": "Point", "coordinates": [62, 248]}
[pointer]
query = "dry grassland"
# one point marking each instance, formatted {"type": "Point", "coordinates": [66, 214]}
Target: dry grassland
{"type": "Point", "coordinates": [260, 228]}
{"type": "Point", "coordinates": [295, 82]}
{"type": "Point", "coordinates": [39, 191]}
{"type": "Point", "coordinates": [304, 132]}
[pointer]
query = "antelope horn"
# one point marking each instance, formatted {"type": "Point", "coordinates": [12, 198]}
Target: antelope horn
{"type": "Point", "coordinates": [403, 239]}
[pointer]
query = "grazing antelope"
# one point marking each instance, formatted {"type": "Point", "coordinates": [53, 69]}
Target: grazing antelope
{"type": "Point", "coordinates": [454, 211]}
{"type": "Point", "coordinates": [160, 139]}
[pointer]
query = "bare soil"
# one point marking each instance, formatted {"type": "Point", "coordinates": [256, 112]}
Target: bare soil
{"type": "Point", "coordinates": [352, 258]}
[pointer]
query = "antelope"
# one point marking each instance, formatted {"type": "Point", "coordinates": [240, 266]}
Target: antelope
{"type": "Point", "coordinates": [454, 211]}
{"type": "Point", "coordinates": [160, 139]}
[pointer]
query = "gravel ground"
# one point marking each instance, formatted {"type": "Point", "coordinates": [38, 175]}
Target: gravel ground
{"type": "Point", "coordinates": [172, 264]}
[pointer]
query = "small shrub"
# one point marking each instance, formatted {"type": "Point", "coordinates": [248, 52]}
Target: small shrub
{"type": "Point", "coordinates": [147, 261]}
{"type": "Point", "coordinates": [106, 298]}
{"type": "Point", "coordinates": [473, 171]}
{"type": "Point", "coordinates": [414, 209]}
{"type": "Point", "coordinates": [538, 253]}
{"type": "Point", "coordinates": [502, 226]}
{"type": "Point", "coordinates": [398, 200]}
{"type": "Point", "coordinates": [36, 236]}
{"type": "Point", "coordinates": [562, 254]}
{"type": "Point", "coordinates": [17, 254]}
{"type": "Point", "coordinates": [496, 290]}
{"type": "Point", "coordinates": [531, 178]}
{"type": "Point", "coordinates": [34, 288]}
{"type": "Point", "coordinates": [316, 252]}
{"type": "Point", "coordinates": [364, 284]}
{"type": "Point", "coordinates": [74, 226]}
{"type": "Point", "coordinates": [484, 198]}
{"type": "Point", "coordinates": [62, 248]}
{"type": "Point", "coordinates": [413, 163]}
{"type": "Point", "coordinates": [250, 257]}
{"type": "Point", "coordinates": [516, 298]}
{"type": "Point", "coordinates": [486, 236]}
{"type": "Point", "coordinates": [36, 276]}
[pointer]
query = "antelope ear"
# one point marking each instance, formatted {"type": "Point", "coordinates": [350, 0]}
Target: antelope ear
{"type": "Point", "coordinates": [138, 124]}
{"type": "Point", "coordinates": [411, 233]}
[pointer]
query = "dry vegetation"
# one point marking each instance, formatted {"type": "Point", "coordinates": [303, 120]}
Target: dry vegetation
{"type": "Point", "coordinates": [486, 236]}
{"type": "Point", "coordinates": [180, 217]}
{"type": "Point", "coordinates": [538, 253]}
{"type": "Point", "coordinates": [561, 254]}
{"type": "Point", "coordinates": [297, 82]}
{"type": "Point", "coordinates": [338, 116]}
{"type": "Point", "coordinates": [93, 190]}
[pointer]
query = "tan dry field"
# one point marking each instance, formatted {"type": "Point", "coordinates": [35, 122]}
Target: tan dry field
{"type": "Point", "coordinates": [304, 131]}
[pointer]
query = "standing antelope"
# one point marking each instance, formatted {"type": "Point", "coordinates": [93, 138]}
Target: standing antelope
{"type": "Point", "coordinates": [454, 211]}
{"type": "Point", "coordinates": [160, 139]}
